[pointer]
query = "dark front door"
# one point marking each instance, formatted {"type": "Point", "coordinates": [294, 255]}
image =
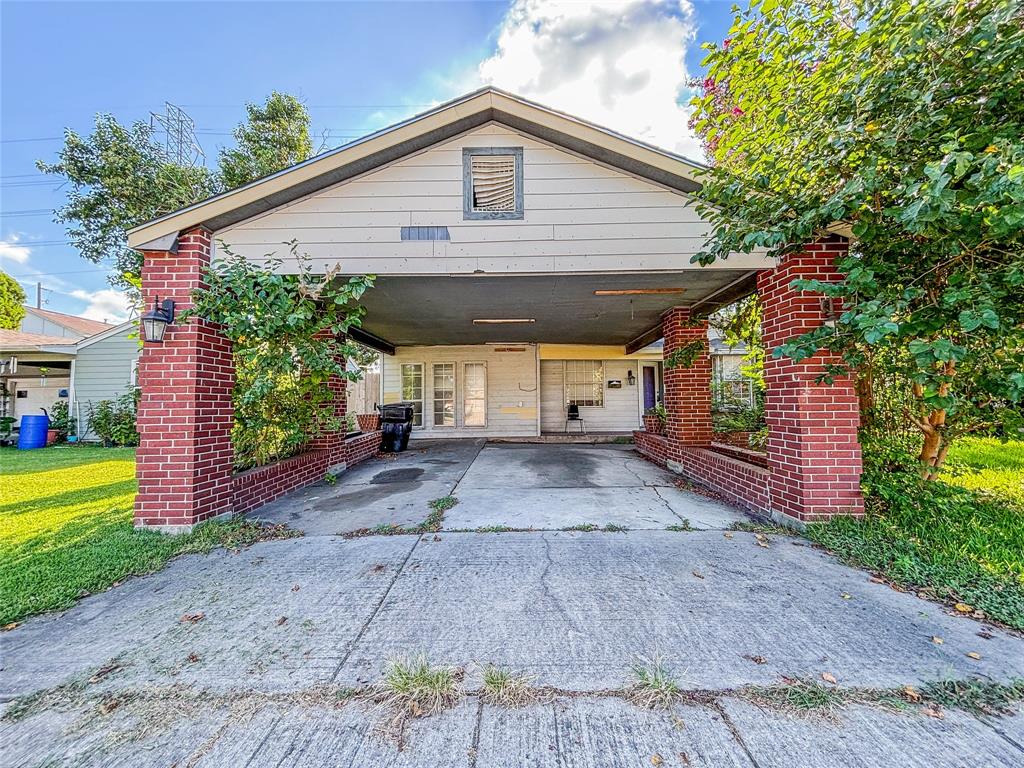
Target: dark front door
{"type": "Point", "coordinates": [650, 389]}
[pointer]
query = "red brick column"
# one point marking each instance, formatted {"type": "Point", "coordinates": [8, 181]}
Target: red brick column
{"type": "Point", "coordinates": [334, 442]}
{"type": "Point", "coordinates": [184, 459]}
{"type": "Point", "coordinates": [813, 454]}
{"type": "Point", "coordinates": [687, 389]}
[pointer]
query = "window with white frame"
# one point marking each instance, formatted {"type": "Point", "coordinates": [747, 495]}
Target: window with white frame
{"type": "Point", "coordinates": [444, 394]}
{"type": "Point", "coordinates": [492, 182]}
{"type": "Point", "coordinates": [584, 383]}
{"type": "Point", "coordinates": [474, 395]}
{"type": "Point", "coordinates": [412, 390]}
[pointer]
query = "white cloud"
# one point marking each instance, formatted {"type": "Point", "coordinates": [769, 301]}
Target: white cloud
{"type": "Point", "coordinates": [105, 304]}
{"type": "Point", "coordinates": [619, 64]}
{"type": "Point", "coordinates": [12, 252]}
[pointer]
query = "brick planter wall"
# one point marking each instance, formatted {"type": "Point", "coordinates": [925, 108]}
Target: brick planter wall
{"type": "Point", "coordinates": [737, 481]}
{"type": "Point", "coordinates": [255, 487]}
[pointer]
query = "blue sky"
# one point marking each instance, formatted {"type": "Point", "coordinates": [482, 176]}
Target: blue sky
{"type": "Point", "coordinates": [358, 66]}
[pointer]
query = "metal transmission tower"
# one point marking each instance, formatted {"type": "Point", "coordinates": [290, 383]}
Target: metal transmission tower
{"type": "Point", "coordinates": [180, 143]}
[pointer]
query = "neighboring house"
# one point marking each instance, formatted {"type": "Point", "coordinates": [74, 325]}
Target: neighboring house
{"type": "Point", "coordinates": [525, 261]}
{"type": "Point", "coordinates": [48, 323]}
{"type": "Point", "coordinates": [39, 370]}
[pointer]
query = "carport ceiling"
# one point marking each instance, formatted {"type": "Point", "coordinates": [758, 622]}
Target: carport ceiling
{"type": "Point", "coordinates": [439, 310]}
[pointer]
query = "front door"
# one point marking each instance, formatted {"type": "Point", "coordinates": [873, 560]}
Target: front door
{"type": "Point", "coordinates": [650, 387]}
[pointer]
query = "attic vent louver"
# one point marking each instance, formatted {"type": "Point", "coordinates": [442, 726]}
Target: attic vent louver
{"type": "Point", "coordinates": [494, 183]}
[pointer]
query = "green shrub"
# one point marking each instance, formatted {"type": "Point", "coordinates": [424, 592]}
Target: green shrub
{"type": "Point", "coordinates": [113, 421]}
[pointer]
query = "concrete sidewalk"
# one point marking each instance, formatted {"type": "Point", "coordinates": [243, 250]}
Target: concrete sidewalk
{"type": "Point", "coordinates": [286, 621]}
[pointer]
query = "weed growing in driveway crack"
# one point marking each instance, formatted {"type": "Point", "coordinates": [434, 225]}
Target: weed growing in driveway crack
{"type": "Point", "coordinates": [444, 503]}
{"type": "Point", "coordinates": [412, 688]}
{"type": "Point", "coordinates": [977, 696]}
{"type": "Point", "coordinates": [683, 526]}
{"type": "Point", "coordinates": [584, 527]}
{"type": "Point", "coordinates": [752, 526]}
{"type": "Point", "coordinates": [653, 686]}
{"type": "Point", "coordinates": [505, 688]}
{"type": "Point", "coordinates": [615, 528]}
{"type": "Point", "coordinates": [432, 523]}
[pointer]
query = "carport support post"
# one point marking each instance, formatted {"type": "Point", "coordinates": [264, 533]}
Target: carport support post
{"type": "Point", "coordinates": [687, 387]}
{"type": "Point", "coordinates": [334, 442]}
{"type": "Point", "coordinates": [813, 454]}
{"type": "Point", "coordinates": [184, 459]}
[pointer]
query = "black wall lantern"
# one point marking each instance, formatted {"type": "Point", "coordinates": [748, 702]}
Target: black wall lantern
{"type": "Point", "coordinates": [155, 322]}
{"type": "Point", "coordinates": [630, 378]}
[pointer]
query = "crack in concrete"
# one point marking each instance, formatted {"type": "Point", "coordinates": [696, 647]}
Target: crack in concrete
{"type": "Point", "coordinates": [375, 611]}
{"type": "Point", "coordinates": [1005, 737]}
{"type": "Point", "coordinates": [547, 589]}
{"type": "Point", "coordinates": [469, 465]}
{"type": "Point", "coordinates": [735, 733]}
{"type": "Point", "coordinates": [669, 506]}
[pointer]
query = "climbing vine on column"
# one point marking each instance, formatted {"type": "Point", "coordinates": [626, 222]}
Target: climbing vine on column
{"type": "Point", "coordinates": [272, 313]}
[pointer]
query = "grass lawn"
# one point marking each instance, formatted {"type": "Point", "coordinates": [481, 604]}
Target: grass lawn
{"type": "Point", "coordinates": [66, 528]}
{"type": "Point", "coordinates": [960, 538]}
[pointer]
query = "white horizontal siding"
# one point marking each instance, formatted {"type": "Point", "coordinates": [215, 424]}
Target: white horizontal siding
{"type": "Point", "coordinates": [578, 216]}
{"type": "Point", "coordinates": [621, 409]}
{"type": "Point", "coordinates": [511, 387]}
{"type": "Point", "coordinates": [103, 371]}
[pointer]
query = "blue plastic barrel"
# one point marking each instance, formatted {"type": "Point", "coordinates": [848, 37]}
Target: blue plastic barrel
{"type": "Point", "coordinates": [33, 432]}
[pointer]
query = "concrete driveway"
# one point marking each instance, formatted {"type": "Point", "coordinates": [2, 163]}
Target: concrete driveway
{"type": "Point", "coordinates": [285, 628]}
{"type": "Point", "coordinates": [512, 485]}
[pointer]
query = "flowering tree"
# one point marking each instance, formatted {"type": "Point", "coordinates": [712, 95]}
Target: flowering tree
{"type": "Point", "coordinates": [901, 123]}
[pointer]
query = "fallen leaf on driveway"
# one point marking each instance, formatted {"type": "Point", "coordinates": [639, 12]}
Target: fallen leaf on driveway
{"type": "Point", "coordinates": [932, 711]}
{"type": "Point", "coordinates": [876, 580]}
{"type": "Point", "coordinates": [756, 659]}
{"type": "Point", "coordinates": [727, 535]}
{"type": "Point", "coordinates": [985, 635]}
{"type": "Point", "coordinates": [192, 618]}
{"type": "Point", "coordinates": [911, 693]}
{"type": "Point", "coordinates": [657, 759]}
{"type": "Point", "coordinates": [193, 658]}
{"type": "Point", "coordinates": [973, 655]}
{"type": "Point", "coordinates": [296, 588]}
{"type": "Point", "coordinates": [762, 540]}
{"type": "Point", "coordinates": [828, 677]}
{"type": "Point", "coordinates": [698, 574]}
{"type": "Point", "coordinates": [282, 620]}
{"type": "Point", "coordinates": [103, 672]}
{"type": "Point", "coordinates": [9, 627]}
{"type": "Point", "coordinates": [937, 640]}
{"type": "Point", "coordinates": [963, 608]}
{"type": "Point", "coordinates": [846, 596]}
{"type": "Point", "coordinates": [684, 758]}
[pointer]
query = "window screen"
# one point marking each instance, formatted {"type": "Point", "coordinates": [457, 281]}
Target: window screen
{"type": "Point", "coordinates": [412, 390]}
{"type": "Point", "coordinates": [584, 382]}
{"type": "Point", "coordinates": [474, 395]}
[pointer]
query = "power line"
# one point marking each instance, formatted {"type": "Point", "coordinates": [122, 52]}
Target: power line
{"type": "Point", "coordinates": [26, 212]}
{"type": "Point", "coordinates": [42, 138]}
{"type": "Point", "coordinates": [69, 272]}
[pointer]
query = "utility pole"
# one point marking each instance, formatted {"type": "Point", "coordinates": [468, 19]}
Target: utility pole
{"type": "Point", "coordinates": [39, 295]}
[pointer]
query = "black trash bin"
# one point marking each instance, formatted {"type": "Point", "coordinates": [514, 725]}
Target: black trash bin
{"type": "Point", "coordinates": [395, 426]}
